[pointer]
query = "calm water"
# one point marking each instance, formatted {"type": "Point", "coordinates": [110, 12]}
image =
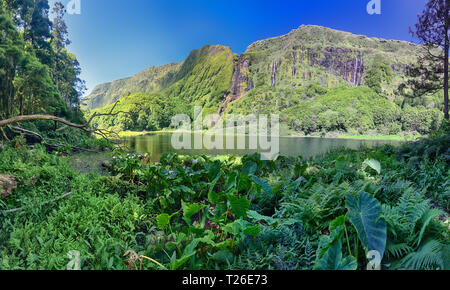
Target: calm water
{"type": "Point", "coordinates": [159, 143]}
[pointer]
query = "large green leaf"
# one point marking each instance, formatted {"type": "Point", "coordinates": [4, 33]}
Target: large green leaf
{"type": "Point", "coordinates": [332, 259]}
{"type": "Point", "coordinates": [258, 217]}
{"type": "Point", "coordinates": [364, 213]}
{"type": "Point", "coordinates": [162, 221]}
{"type": "Point", "coordinates": [190, 209]}
{"type": "Point", "coordinates": [336, 230]}
{"type": "Point", "coordinates": [264, 185]}
{"type": "Point", "coordinates": [249, 168]}
{"type": "Point", "coordinates": [213, 197]}
{"type": "Point", "coordinates": [252, 230]}
{"type": "Point", "coordinates": [374, 164]}
{"type": "Point", "coordinates": [231, 181]}
{"type": "Point", "coordinates": [239, 206]}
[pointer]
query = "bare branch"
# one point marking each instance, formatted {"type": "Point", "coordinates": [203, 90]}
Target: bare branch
{"type": "Point", "coordinates": [27, 132]}
{"type": "Point", "coordinates": [103, 133]}
{"type": "Point", "coordinates": [26, 207]}
{"type": "Point", "coordinates": [4, 134]}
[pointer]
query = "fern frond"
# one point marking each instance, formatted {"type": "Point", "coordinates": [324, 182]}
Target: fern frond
{"type": "Point", "coordinates": [426, 219]}
{"type": "Point", "coordinates": [398, 250]}
{"type": "Point", "coordinates": [429, 256]}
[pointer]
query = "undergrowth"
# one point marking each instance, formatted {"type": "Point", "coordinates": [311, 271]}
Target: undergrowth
{"type": "Point", "coordinates": [200, 212]}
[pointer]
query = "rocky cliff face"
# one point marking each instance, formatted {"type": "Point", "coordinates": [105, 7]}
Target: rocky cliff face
{"type": "Point", "coordinates": [313, 54]}
{"type": "Point", "coordinates": [309, 54]}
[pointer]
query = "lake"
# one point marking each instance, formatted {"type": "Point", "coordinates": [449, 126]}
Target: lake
{"type": "Point", "coordinates": [157, 144]}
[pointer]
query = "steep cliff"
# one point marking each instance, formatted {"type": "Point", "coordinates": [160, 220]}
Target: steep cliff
{"type": "Point", "coordinates": [318, 54]}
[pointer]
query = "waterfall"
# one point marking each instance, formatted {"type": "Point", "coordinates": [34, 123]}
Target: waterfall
{"type": "Point", "coordinates": [250, 85]}
{"type": "Point", "coordinates": [294, 71]}
{"type": "Point", "coordinates": [274, 73]}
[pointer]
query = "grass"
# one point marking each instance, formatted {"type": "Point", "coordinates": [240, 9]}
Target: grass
{"type": "Point", "coordinates": [293, 134]}
{"type": "Point", "coordinates": [378, 137]}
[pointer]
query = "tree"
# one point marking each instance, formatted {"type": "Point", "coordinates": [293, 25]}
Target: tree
{"type": "Point", "coordinates": [37, 74]}
{"type": "Point", "coordinates": [433, 31]}
{"type": "Point", "coordinates": [66, 69]}
{"type": "Point", "coordinates": [32, 17]}
{"type": "Point", "coordinates": [11, 54]}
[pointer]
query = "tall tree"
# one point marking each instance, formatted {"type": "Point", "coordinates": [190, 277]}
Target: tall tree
{"type": "Point", "coordinates": [11, 54]}
{"type": "Point", "coordinates": [31, 16]}
{"type": "Point", "coordinates": [433, 30]}
{"type": "Point", "coordinates": [27, 84]}
{"type": "Point", "coordinates": [60, 34]}
{"type": "Point", "coordinates": [66, 67]}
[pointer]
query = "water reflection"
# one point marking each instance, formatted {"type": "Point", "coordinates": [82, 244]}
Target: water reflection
{"type": "Point", "coordinates": [159, 143]}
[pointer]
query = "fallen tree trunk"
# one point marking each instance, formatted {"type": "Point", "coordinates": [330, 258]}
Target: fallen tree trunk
{"type": "Point", "coordinates": [20, 119]}
{"type": "Point", "coordinates": [7, 185]}
{"type": "Point", "coordinates": [103, 133]}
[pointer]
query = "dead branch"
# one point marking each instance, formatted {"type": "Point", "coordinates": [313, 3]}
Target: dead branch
{"type": "Point", "coordinates": [103, 133]}
{"type": "Point", "coordinates": [4, 134]}
{"type": "Point", "coordinates": [26, 207]}
{"type": "Point", "coordinates": [109, 135]}
{"type": "Point", "coordinates": [95, 115]}
{"type": "Point", "coordinates": [26, 132]}
{"type": "Point", "coordinates": [52, 146]}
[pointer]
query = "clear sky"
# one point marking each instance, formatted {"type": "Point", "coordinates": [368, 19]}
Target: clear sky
{"type": "Point", "coordinates": [114, 39]}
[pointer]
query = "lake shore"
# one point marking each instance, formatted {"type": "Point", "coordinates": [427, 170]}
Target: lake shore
{"type": "Point", "coordinates": [127, 134]}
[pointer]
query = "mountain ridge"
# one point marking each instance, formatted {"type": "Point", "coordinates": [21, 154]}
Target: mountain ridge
{"type": "Point", "coordinates": [284, 75]}
{"type": "Point", "coordinates": [107, 93]}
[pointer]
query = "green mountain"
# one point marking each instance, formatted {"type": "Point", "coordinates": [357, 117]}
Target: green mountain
{"type": "Point", "coordinates": [204, 74]}
{"type": "Point", "coordinates": [149, 80]}
{"type": "Point", "coordinates": [316, 78]}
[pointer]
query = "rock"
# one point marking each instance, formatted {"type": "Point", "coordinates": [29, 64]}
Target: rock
{"type": "Point", "coordinates": [7, 185]}
{"type": "Point", "coordinates": [106, 165]}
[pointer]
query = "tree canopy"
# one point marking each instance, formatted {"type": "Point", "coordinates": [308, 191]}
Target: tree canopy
{"type": "Point", "coordinates": [37, 73]}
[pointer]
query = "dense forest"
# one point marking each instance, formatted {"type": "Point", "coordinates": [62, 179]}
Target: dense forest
{"type": "Point", "coordinates": [67, 186]}
{"type": "Point", "coordinates": [38, 74]}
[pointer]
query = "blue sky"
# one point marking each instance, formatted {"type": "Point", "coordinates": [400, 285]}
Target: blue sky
{"type": "Point", "coordinates": [114, 39]}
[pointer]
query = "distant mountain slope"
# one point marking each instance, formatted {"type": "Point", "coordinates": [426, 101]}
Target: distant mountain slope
{"type": "Point", "coordinates": [204, 71]}
{"type": "Point", "coordinates": [153, 79]}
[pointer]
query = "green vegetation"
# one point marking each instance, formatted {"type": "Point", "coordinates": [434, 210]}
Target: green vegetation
{"type": "Point", "coordinates": [37, 73]}
{"type": "Point", "coordinates": [379, 73]}
{"type": "Point", "coordinates": [339, 211]}
{"type": "Point", "coordinates": [346, 111]}
{"type": "Point", "coordinates": [314, 111]}
{"type": "Point", "coordinates": [202, 80]}
{"type": "Point", "coordinates": [231, 213]}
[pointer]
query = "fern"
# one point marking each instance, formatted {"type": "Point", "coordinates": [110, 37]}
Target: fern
{"type": "Point", "coordinates": [427, 218]}
{"type": "Point", "coordinates": [309, 256]}
{"type": "Point", "coordinates": [409, 225]}
{"type": "Point", "coordinates": [398, 250]}
{"type": "Point", "coordinates": [429, 256]}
